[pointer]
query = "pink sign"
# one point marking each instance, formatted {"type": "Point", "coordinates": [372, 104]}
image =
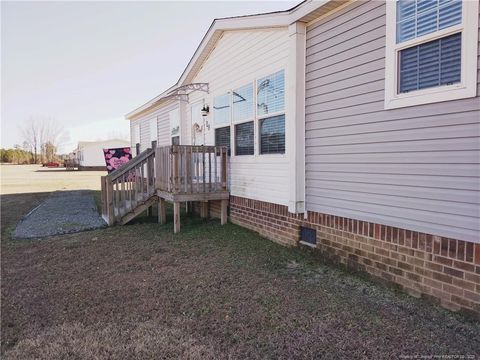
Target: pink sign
{"type": "Point", "coordinates": [114, 158]}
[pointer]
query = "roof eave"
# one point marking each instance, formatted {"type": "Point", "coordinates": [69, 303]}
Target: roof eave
{"type": "Point", "coordinates": [258, 21]}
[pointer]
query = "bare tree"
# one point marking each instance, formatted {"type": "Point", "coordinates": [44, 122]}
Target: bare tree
{"type": "Point", "coordinates": [31, 136]}
{"type": "Point", "coordinates": [37, 132]}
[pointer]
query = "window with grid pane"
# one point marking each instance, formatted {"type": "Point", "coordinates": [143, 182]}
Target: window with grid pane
{"type": "Point", "coordinates": [431, 51]}
{"type": "Point", "coordinates": [431, 64]}
{"type": "Point", "coordinates": [221, 109]}
{"type": "Point", "coordinates": [271, 94]}
{"type": "Point", "coordinates": [222, 137]}
{"type": "Point", "coordinates": [416, 18]}
{"type": "Point", "coordinates": [244, 140]}
{"type": "Point", "coordinates": [243, 103]}
{"type": "Point", "coordinates": [272, 135]}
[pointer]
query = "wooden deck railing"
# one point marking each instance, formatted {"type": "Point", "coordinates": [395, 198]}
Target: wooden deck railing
{"type": "Point", "coordinates": [177, 173]}
{"type": "Point", "coordinates": [129, 186]}
{"type": "Point", "coordinates": [185, 169]}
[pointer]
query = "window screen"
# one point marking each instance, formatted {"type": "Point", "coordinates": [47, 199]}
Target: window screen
{"type": "Point", "coordinates": [420, 17]}
{"type": "Point", "coordinates": [271, 93]}
{"type": "Point", "coordinates": [221, 109]}
{"type": "Point", "coordinates": [431, 64]}
{"type": "Point", "coordinates": [222, 137]}
{"type": "Point", "coordinates": [272, 135]}
{"type": "Point", "coordinates": [244, 139]}
{"type": "Point", "coordinates": [243, 103]}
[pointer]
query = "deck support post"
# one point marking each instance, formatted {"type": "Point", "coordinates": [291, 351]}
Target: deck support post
{"type": "Point", "coordinates": [223, 215]}
{"type": "Point", "coordinates": [204, 209]}
{"type": "Point", "coordinates": [162, 215]}
{"type": "Point", "coordinates": [109, 201]}
{"type": "Point", "coordinates": [176, 217]}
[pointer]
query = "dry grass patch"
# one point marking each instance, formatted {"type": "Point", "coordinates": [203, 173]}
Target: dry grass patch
{"type": "Point", "coordinates": [139, 291]}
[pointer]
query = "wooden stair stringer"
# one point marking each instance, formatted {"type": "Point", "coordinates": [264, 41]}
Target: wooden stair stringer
{"type": "Point", "coordinates": [139, 208]}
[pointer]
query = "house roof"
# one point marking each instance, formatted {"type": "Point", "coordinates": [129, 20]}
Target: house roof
{"type": "Point", "coordinates": [305, 11]}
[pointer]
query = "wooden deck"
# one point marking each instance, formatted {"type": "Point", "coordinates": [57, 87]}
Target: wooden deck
{"type": "Point", "coordinates": [177, 173]}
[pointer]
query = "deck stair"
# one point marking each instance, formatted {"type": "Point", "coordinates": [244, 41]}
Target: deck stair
{"type": "Point", "coordinates": [177, 173]}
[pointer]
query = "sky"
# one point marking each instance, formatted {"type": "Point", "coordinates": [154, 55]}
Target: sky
{"type": "Point", "coordinates": [87, 64]}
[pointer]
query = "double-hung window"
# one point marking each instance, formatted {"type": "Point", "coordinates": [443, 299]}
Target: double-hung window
{"type": "Point", "coordinates": [256, 114]}
{"type": "Point", "coordinates": [221, 109]}
{"type": "Point", "coordinates": [431, 51]}
{"type": "Point", "coordinates": [244, 130]}
{"type": "Point", "coordinates": [271, 113]}
{"type": "Point", "coordinates": [222, 137]}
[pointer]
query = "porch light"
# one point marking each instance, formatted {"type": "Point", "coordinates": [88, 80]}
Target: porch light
{"type": "Point", "coordinates": [205, 110]}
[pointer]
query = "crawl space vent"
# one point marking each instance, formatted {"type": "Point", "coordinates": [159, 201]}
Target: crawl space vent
{"type": "Point", "coordinates": [308, 235]}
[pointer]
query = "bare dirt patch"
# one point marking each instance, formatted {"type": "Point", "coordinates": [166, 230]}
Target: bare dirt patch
{"type": "Point", "coordinates": [18, 179]}
{"type": "Point", "coordinates": [140, 292]}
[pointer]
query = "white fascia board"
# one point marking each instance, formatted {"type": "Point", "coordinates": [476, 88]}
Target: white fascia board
{"type": "Point", "coordinates": [299, 12]}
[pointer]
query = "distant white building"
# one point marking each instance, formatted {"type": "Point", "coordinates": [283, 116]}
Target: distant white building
{"type": "Point", "coordinates": [89, 154]}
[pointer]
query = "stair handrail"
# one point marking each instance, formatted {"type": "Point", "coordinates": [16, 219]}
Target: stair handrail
{"type": "Point", "coordinates": [115, 174]}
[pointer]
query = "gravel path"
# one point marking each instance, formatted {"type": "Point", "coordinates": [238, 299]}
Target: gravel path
{"type": "Point", "coordinates": [62, 213]}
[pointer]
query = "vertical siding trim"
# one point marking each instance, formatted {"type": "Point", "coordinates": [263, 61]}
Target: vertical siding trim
{"type": "Point", "coordinates": [295, 115]}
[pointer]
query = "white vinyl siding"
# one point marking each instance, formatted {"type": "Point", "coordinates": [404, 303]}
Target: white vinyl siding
{"type": "Point", "coordinates": [160, 116]}
{"type": "Point", "coordinates": [153, 129]}
{"type": "Point", "coordinates": [415, 167]}
{"type": "Point", "coordinates": [240, 58]}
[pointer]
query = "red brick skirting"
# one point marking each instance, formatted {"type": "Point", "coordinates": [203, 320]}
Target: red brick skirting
{"type": "Point", "coordinates": [442, 269]}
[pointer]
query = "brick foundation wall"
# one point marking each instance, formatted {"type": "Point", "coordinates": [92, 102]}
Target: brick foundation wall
{"type": "Point", "coordinates": [444, 270]}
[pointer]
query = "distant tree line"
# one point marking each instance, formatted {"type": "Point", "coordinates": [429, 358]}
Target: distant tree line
{"type": "Point", "coordinates": [16, 156]}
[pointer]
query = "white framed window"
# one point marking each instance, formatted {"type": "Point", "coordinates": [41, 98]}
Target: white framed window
{"type": "Point", "coordinates": [271, 94]}
{"type": "Point", "coordinates": [222, 137]}
{"type": "Point", "coordinates": [221, 109]}
{"type": "Point", "coordinates": [242, 103]}
{"type": "Point", "coordinates": [272, 135]}
{"type": "Point", "coordinates": [271, 113]}
{"type": "Point", "coordinates": [244, 138]}
{"type": "Point", "coordinates": [252, 117]}
{"type": "Point", "coordinates": [431, 51]}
